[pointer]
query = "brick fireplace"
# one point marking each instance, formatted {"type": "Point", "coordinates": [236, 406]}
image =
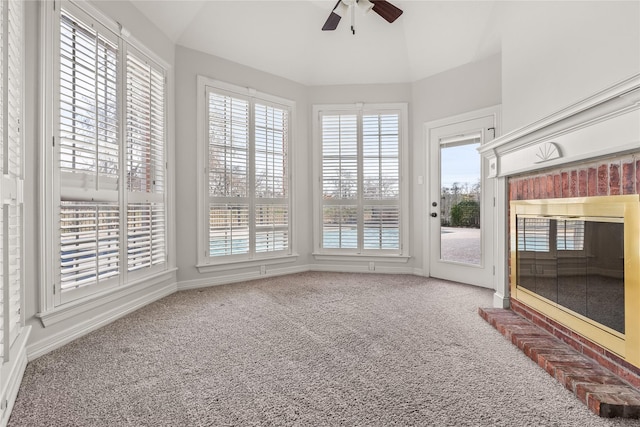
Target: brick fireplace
{"type": "Point", "coordinates": [584, 181]}
{"type": "Point", "coordinates": [589, 150]}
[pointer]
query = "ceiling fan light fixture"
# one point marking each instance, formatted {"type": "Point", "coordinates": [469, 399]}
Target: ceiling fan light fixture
{"type": "Point", "coordinates": [366, 5]}
{"type": "Point", "coordinates": [341, 9]}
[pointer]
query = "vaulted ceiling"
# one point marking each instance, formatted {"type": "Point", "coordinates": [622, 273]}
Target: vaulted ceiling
{"type": "Point", "coordinates": [285, 37]}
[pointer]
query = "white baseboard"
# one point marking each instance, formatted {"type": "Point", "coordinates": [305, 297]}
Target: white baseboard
{"type": "Point", "coordinates": [239, 277]}
{"type": "Point", "coordinates": [59, 339]}
{"type": "Point", "coordinates": [12, 373]}
{"type": "Point", "coordinates": [500, 301]}
{"type": "Point", "coordinates": [252, 275]}
{"type": "Point", "coordinates": [361, 268]}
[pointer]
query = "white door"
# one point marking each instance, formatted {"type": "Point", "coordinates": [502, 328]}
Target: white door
{"type": "Point", "coordinates": [460, 210]}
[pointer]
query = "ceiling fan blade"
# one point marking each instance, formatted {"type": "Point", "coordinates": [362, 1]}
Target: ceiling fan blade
{"type": "Point", "coordinates": [332, 22]}
{"type": "Point", "coordinates": [385, 9]}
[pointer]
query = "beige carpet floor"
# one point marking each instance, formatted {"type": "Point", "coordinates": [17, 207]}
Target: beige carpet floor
{"type": "Point", "coordinates": [311, 349]}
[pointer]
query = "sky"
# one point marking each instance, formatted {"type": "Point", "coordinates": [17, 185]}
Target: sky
{"type": "Point", "coordinates": [461, 164]}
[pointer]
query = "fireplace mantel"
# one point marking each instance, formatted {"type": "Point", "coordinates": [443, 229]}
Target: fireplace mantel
{"type": "Point", "coordinates": [603, 124]}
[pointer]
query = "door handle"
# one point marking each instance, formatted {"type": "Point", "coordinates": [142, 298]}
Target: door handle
{"type": "Point", "coordinates": [433, 214]}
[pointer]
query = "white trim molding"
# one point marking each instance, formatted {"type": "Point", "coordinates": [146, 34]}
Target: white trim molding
{"type": "Point", "coordinates": [603, 124]}
{"type": "Point", "coordinates": [51, 342]}
{"type": "Point", "coordinates": [12, 373]}
{"type": "Point", "coordinates": [76, 308]}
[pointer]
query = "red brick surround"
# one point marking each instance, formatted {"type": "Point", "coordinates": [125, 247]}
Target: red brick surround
{"type": "Point", "coordinates": [614, 176]}
{"type": "Point", "coordinates": [605, 178]}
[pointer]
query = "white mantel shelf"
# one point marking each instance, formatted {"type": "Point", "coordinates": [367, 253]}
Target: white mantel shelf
{"type": "Point", "coordinates": [604, 124]}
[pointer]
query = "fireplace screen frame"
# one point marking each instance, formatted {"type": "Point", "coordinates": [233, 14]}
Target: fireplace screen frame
{"type": "Point", "coordinates": [625, 208]}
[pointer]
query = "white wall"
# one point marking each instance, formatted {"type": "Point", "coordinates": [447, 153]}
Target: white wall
{"type": "Point", "coordinates": [140, 28]}
{"type": "Point", "coordinates": [190, 64]}
{"type": "Point", "coordinates": [557, 53]}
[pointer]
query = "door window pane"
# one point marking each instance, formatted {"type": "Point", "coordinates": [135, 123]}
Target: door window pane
{"type": "Point", "coordinates": [460, 191]}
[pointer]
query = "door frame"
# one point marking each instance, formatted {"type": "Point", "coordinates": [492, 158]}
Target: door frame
{"type": "Point", "coordinates": [429, 129]}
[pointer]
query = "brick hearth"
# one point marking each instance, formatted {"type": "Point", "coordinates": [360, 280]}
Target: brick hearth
{"type": "Point", "coordinates": [605, 393]}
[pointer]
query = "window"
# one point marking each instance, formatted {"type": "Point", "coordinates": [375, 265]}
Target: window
{"type": "Point", "coordinates": [11, 219]}
{"type": "Point", "coordinates": [108, 166]}
{"type": "Point", "coordinates": [245, 143]}
{"type": "Point", "coordinates": [361, 194]}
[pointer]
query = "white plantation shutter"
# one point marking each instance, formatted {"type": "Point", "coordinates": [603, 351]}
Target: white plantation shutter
{"type": "Point", "coordinates": [340, 181]}
{"type": "Point", "coordinates": [228, 148]}
{"type": "Point", "coordinates": [89, 243]}
{"type": "Point", "coordinates": [381, 181]}
{"type": "Point", "coordinates": [88, 153]}
{"type": "Point", "coordinates": [248, 175]}
{"type": "Point", "coordinates": [361, 207]}
{"type": "Point", "coordinates": [11, 229]}
{"type": "Point", "coordinates": [109, 166]}
{"type": "Point", "coordinates": [145, 235]}
{"type": "Point", "coordinates": [88, 110]}
{"type": "Point", "coordinates": [145, 117]}
{"type": "Point", "coordinates": [271, 126]}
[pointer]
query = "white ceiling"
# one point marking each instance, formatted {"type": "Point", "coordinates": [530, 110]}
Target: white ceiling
{"type": "Point", "coordinates": [285, 37]}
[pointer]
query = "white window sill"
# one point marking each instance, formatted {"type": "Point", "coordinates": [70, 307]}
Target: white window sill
{"type": "Point", "coordinates": [361, 257]}
{"type": "Point", "coordinates": [93, 302]}
{"type": "Point", "coordinates": [246, 263]}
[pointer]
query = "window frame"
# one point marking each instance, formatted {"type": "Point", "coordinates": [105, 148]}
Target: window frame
{"type": "Point", "coordinates": [361, 109]}
{"type": "Point", "coordinates": [12, 165]}
{"type": "Point", "coordinates": [205, 262]}
{"type": "Point", "coordinates": [52, 299]}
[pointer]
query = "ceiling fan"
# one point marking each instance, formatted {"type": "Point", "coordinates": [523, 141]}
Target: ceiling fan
{"type": "Point", "coordinates": [382, 7]}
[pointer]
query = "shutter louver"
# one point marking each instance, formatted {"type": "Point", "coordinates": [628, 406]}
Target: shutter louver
{"type": "Point", "coordinates": [340, 227]}
{"type": "Point", "coordinates": [380, 158]}
{"type": "Point", "coordinates": [381, 227]}
{"type": "Point", "coordinates": [228, 146]}
{"type": "Point", "coordinates": [146, 235]}
{"type": "Point", "coordinates": [339, 157]}
{"type": "Point", "coordinates": [272, 227]}
{"type": "Point", "coordinates": [89, 243]}
{"type": "Point", "coordinates": [88, 111]}
{"type": "Point", "coordinates": [145, 164]}
{"type": "Point", "coordinates": [228, 229]}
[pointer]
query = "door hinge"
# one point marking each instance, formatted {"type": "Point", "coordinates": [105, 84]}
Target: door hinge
{"type": "Point", "coordinates": [494, 270]}
{"type": "Point", "coordinates": [54, 288]}
{"type": "Point", "coordinates": [54, 141]}
{"type": "Point", "coordinates": [494, 202]}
